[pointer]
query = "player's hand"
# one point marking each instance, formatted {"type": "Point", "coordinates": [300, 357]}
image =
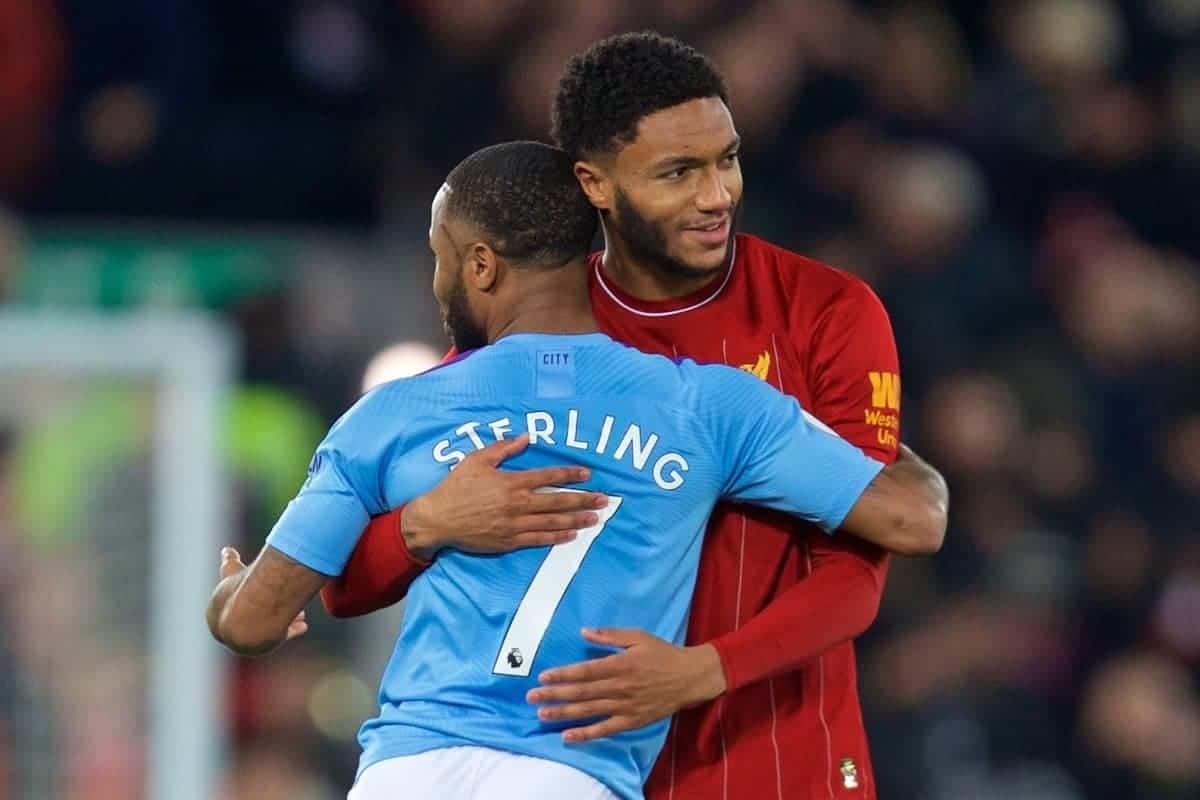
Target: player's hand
{"type": "Point", "coordinates": [232, 566]}
{"type": "Point", "coordinates": [649, 680]}
{"type": "Point", "coordinates": [479, 508]}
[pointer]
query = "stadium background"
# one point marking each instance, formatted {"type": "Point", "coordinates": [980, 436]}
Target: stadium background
{"type": "Point", "coordinates": [1017, 180]}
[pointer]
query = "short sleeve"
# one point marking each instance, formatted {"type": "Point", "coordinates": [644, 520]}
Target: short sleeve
{"type": "Point", "coordinates": [856, 372]}
{"type": "Point", "coordinates": [781, 457]}
{"type": "Point", "coordinates": [322, 524]}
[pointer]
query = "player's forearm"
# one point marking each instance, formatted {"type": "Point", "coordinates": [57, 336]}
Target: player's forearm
{"type": "Point", "coordinates": [228, 629]}
{"type": "Point", "coordinates": [478, 508]}
{"type": "Point", "coordinates": [419, 537]}
{"type": "Point", "coordinates": [903, 510]}
{"type": "Point", "coordinates": [930, 501]}
{"type": "Point", "coordinates": [253, 607]}
{"type": "Point", "coordinates": [218, 601]}
{"type": "Point", "coordinates": [835, 604]}
{"type": "Point", "coordinates": [379, 573]}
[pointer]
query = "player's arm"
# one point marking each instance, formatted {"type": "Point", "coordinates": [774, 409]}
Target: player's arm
{"type": "Point", "coordinates": [252, 608]}
{"type": "Point", "coordinates": [856, 392]}
{"type": "Point", "coordinates": [255, 609]}
{"type": "Point", "coordinates": [855, 374]}
{"type": "Point", "coordinates": [904, 507]}
{"type": "Point", "coordinates": [382, 566]}
{"type": "Point", "coordinates": [778, 457]}
{"type": "Point", "coordinates": [837, 601]}
{"type": "Point", "coordinates": [477, 508]}
{"type": "Point", "coordinates": [379, 571]}
{"type": "Point", "coordinates": [911, 476]}
{"type": "Point", "coordinates": [789, 461]}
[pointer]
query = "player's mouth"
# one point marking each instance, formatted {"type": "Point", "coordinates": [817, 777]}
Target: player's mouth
{"type": "Point", "coordinates": [710, 234]}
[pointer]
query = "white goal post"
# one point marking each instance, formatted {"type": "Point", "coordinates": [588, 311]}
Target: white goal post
{"type": "Point", "coordinates": [190, 359]}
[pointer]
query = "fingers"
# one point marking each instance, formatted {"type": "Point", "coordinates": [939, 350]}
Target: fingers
{"type": "Point", "coordinates": [521, 540]}
{"type": "Point", "coordinates": [298, 627]}
{"type": "Point", "coordinates": [547, 517]}
{"type": "Point", "coordinates": [550, 476]}
{"type": "Point", "coordinates": [551, 502]}
{"type": "Point", "coordinates": [594, 708]}
{"type": "Point", "coordinates": [494, 454]}
{"type": "Point", "coordinates": [231, 562]}
{"type": "Point", "coordinates": [596, 669]}
{"type": "Point", "coordinates": [609, 689]}
{"type": "Point", "coordinates": [542, 538]}
{"type": "Point", "coordinates": [609, 727]}
{"type": "Point", "coordinates": [534, 522]}
{"type": "Point", "coordinates": [617, 637]}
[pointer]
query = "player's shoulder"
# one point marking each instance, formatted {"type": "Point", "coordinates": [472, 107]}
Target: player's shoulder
{"type": "Point", "coordinates": [377, 403]}
{"type": "Point", "coordinates": [398, 389]}
{"type": "Point", "coordinates": [805, 280]}
{"type": "Point", "coordinates": [677, 383]}
{"type": "Point", "coordinates": [399, 393]}
{"type": "Point", "coordinates": [712, 384]}
{"type": "Point", "coordinates": [637, 365]}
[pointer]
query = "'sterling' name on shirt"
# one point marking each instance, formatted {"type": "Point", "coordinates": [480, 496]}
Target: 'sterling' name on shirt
{"type": "Point", "coordinates": [667, 469]}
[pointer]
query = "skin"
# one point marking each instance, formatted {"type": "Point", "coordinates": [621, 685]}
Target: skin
{"type": "Point", "coordinates": [483, 298]}
{"type": "Point", "coordinates": [256, 608]}
{"type": "Point", "coordinates": [680, 173]}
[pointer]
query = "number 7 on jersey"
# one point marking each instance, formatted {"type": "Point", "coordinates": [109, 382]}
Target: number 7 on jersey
{"type": "Point", "coordinates": [545, 592]}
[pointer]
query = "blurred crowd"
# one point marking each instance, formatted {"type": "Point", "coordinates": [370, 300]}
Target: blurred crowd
{"type": "Point", "coordinates": [1020, 182]}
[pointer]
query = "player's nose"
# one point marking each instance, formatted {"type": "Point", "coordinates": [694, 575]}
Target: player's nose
{"type": "Point", "coordinates": [713, 194]}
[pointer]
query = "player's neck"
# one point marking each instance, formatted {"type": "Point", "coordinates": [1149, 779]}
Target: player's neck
{"type": "Point", "coordinates": [548, 317]}
{"type": "Point", "coordinates": [550, 305]}
{"type": "Point", "coordinates": [647, 281]}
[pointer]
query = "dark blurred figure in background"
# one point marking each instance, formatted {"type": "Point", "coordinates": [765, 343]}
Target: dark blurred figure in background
{"type": "Point", "coordinates": [32, 67]}
{"type": "Point", "coordinates": [1017, 180]}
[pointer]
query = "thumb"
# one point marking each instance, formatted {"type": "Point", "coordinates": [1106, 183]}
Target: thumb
{"type": "Point", "coordinates": [495, 453]}
{"type": "Point", "coordinates": [231, 562]}
{"type": "Point", "coordinates": [615, 637]}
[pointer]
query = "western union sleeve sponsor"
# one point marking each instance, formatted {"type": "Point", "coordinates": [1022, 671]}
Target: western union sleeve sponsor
{"type": "Point", "coordinates": [885, 390]}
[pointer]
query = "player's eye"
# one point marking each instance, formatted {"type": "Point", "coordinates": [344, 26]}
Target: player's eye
{"type": "Point", "coordinates": [730, 159]}
{"type": "Point", "coordinates": [675, 174]}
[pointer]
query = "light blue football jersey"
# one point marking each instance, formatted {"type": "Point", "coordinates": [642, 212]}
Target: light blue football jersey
{"type": "Point", "coordinates": [665, 440]}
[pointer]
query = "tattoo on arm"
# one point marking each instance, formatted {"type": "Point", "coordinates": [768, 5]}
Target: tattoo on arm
{"type": "Point", "coordinates": [277, 587]}
{"type": "Point", "coordinates": [272, 591]}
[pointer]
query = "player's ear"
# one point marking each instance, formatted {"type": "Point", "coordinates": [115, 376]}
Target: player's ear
{"type": "Point", "coordinates": [594, 181]}
{"type": "Point", "coordinates": [483, 268]}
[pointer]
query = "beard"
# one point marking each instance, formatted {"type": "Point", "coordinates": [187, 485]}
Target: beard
{"type": "Point", "coordinates": [647, 240]}
{"type": "Point", "coordinates": [464, 332]}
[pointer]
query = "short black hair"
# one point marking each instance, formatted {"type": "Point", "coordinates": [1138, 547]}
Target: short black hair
{"type": "Point", "coordinates": [524, 197]}
{"type": "Point", "coordinates": [609, 88]}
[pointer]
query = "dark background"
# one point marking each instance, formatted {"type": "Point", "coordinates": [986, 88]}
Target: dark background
{"type": "Point", "coordinates": [1017, 180]}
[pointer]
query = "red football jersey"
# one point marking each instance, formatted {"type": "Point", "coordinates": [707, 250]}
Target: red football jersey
{"type": "Point", "coordinates": [790, 727]}
{"type": "Point", "coordinates": [780, 600]}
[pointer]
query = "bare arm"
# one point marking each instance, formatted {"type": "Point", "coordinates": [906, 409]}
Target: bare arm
{"type": "Point", "coordinates": [904, 509]}
{"type": "Point", "coordinates": [255, 609]}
